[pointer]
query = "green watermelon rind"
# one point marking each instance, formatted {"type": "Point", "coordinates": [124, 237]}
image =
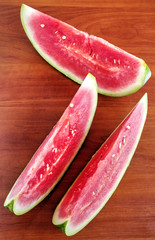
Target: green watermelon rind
{"type": "Point", "coordinates": [63, 226]}
{"type": "Point", "coordinates": [142, 80]}
{"type": "Point", "coordinates": [143, 76]}
{"type": "Point", "coordinates": [148, 74]}
{"type": "Point", "coordinates": [11, 205]}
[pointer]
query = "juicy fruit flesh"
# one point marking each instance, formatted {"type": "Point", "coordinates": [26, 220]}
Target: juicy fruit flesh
{"type": "Point", "coordinates": [80, 52]}
{"type": "Point", "coordinates": [75, 53]}
{"type": "Point", "coordinates": [99, 179]}
{"type": "Point", "coordinates": [49, 161]}
{"type": "Point", "coordinates": [55, 154]}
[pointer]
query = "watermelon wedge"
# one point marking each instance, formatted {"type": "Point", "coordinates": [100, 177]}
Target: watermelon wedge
{"type": "Point", "coordinates": [76, 53]}
{"type": "Point", "coordinates": [99, 179]}
{"type": "Point", "coordinates": [57, 151]}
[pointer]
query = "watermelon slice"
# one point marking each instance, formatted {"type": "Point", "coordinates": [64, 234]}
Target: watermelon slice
{"type": "Point", "coordinates": [56, 152]}
{"type": "Point", "coordinates": [75, 54]}
{"type": "Point", "coordinates": [99, 179]}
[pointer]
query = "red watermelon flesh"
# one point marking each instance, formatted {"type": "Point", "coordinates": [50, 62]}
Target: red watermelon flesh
{"type": "Point", "coordinates": [56, 152]}
{"type": "Point", "coordinates": [99, 179]}
{"type": "Point", "coordinates": [76, 53]}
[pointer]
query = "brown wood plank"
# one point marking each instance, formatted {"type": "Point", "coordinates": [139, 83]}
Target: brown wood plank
{"type": "Point", "coordinates": [33, 96]}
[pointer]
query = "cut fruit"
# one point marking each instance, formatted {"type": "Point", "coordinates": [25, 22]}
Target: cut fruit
{"type": "Point", "coordinates": [76, 53]}
{"type": "Point", "coordinates": [56, 152]}
{"type": "Point", "coordinates": [99, 179]}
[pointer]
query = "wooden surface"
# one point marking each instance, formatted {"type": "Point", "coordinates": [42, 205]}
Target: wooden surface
{"type": "Point", "coordinates": [33, 96]}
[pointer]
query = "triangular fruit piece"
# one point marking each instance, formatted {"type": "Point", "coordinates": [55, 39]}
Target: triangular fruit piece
{"type": "Point", "coordinates": [57, 151]}
{"type": "Point", "coordinates": [76, 53]}
{"type": "Point", "coordinates": [99, 179]}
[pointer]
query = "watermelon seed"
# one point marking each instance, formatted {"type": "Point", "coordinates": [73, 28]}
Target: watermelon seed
{"type": "Point", "coordinates": [119, 61]}
{"type": "Point", "coordinates": [41, 176]}
{"type": "Point", "coordinates": [113, 155]}
{"type": "Point", "coordinates": [63, 37]}
{"type": "Point", "coordinates": [54, 150]}
{"type": "Point", "coordinates": [120, 145]}
{"type": "Point", "coordinates": [71, 105]}
{"type": "Point", "coordinates": [114, 61]}
{"type": "Point", "coordinates": [91, 51]}
{"type": "Point", "coordinates": [47, 165]}
{"type": "Point", "coordinates": [128, 127]}
{"type": "Point", "coordinates": [56, 31]}
{"type": "Point", "coordinates": [42, 25]}
{"type": "Point", "coordinates": [73, 132]}
{"type": "Point", "coordinates": [123, 140]}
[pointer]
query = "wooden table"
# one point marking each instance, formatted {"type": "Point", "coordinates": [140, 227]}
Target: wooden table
{"type": "Point", "coordinates": [33, 96]}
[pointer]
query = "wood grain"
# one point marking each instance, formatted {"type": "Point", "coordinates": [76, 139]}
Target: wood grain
{"type": "Point", "coordinates": [33, 96]}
